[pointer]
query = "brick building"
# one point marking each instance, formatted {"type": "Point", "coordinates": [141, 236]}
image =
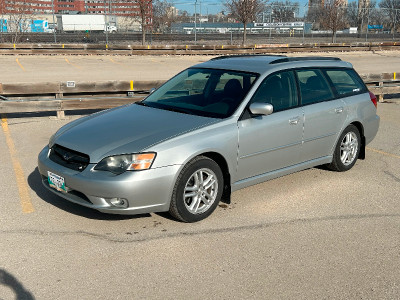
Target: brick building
{"type": "Point", "coordinates": [112, 7]}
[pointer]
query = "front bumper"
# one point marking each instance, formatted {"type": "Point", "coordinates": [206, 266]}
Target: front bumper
{"type": "Point", "coordinates": [145, 191]}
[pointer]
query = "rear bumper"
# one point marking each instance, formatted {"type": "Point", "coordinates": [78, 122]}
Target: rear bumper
{"type": "Point", "coordinates": [145, 191]}
{"type": "Point", "coordinates": [371, 128]}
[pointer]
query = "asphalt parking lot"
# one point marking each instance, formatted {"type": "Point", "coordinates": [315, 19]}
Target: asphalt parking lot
{"type": "Point", "coordinates": [50, 68]}
{"type": "Point", "coordinates": [315, 234]}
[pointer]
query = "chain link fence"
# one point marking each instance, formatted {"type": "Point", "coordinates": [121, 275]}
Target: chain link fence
{"type": "Point", "coordinates": [340, 24]}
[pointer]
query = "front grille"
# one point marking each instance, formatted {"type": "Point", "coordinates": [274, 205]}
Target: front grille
{"type": "Point", "coordinates": [69, 158]}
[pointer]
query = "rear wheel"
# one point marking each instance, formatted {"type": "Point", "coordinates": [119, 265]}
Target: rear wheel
{"type": "Point", "coordinates": [197, 191]}
{"type": "Point", "coordinates": [347, 150]}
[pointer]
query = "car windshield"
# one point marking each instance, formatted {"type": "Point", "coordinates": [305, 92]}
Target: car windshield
{"type": "Point", "coordinates": [203, 92]}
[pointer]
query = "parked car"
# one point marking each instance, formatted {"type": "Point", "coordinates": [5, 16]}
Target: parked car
{"type": "Point", "coordinates": [212, 129]}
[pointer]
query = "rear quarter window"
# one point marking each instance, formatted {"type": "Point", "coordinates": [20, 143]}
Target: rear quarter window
{"type": "Point", "coordinates": [314, 87]}
{"type": "Point", "coordinates": [346, 82]}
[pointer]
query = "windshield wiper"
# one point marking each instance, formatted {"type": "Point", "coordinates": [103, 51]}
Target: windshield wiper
{"type": "Point", "coordinates": [169, 108]}
{"type": "Point", "coordinates": [178, 110]}
{"type": "Point", "coordinates": [141, 103]}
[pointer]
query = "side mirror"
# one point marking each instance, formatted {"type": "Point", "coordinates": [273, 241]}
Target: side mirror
{"type": "Point", "coordinates": [261, 109]}
{"type": "Point", "coordinates": [152, 90]}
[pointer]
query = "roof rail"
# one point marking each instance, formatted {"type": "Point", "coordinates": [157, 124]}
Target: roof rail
{"type": "Point", "coordinates": [288, 59]}
{"type": "Point", "coordinates": [246, 55]}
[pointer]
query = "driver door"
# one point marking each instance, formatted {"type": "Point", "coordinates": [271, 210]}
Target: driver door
{"type": "Point", "coordinates": [273, 142]}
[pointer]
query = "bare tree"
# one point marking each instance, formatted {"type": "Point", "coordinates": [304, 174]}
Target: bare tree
{"type": "Point", "coordinates": [163, 15]}
{"type": "Point", "coordinates": [365, 11]}
{"type": "Point", "coordinates": [183, 17]}
{"type": "Point", "coordinates": [333, 16]}
{"type": "Point", "coordinates": [18, 17]}
{"type": "Point", "coordinates": [2, 21]}
{"type": "Point", "coordinates": [352, 14]}
{"type": "Point", "coordinates": [314, 15]}
{"type": "Point", "coordinates": [378, 17]}
{"type": "Point", "coordinates": [245, 11]}
{"type": "Point", "coordinates": [145, 16]}
{"type": "Point", "coordinates": [391, 8]}
{"type": "Point", "coordinates": [284, 11]}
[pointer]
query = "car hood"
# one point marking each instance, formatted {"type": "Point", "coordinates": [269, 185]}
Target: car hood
{"type": "Point", "coordinates": [130, 129]}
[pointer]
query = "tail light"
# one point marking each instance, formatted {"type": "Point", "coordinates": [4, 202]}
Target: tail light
{"type": "Point", "coordinates": [373, 99]}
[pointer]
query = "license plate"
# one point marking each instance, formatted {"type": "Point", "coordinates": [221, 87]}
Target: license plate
{"type": "Point", "coordinates": [56, 181]}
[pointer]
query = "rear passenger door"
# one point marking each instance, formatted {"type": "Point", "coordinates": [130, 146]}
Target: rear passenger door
{"type": "Point", "coordinates": [324, 114]}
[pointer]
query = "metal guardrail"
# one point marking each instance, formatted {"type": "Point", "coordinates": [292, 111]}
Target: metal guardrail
{"type": "Point", "coordinates": [102, 49]}
{"type": "Point", "coordinates": [71, 95]}
{"type": "Point", "coordinates": [383, 84]}
{"type": "Point", "coordinates": [63, 96]}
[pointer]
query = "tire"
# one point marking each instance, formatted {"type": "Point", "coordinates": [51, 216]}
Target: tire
{"type": "Point", "coordinates": [197, 190]}
{"type": "Point", "coordinates": [347, 150]}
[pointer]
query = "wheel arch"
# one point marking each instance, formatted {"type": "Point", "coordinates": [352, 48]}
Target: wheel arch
{"type": "Point", "coordinates": [360, 128]}
{"type": "Point", "coordinates": [223, 164]}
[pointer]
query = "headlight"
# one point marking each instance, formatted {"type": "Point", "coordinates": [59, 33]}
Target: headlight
{"type": "Point", "coordinates": [128, 162]}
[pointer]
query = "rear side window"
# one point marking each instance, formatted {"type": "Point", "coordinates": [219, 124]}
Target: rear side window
{"type": "Point", "coordinates": [346, 82]}
{"type": "Point", "coordinates": [313, 86]}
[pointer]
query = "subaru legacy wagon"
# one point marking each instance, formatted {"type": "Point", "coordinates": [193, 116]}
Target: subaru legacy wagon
{"type": "Point", "coordinates": [214, 128]}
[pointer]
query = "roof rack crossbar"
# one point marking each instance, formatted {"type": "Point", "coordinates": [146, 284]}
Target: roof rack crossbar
{"type": "Point", "coordinates": [288, 59]}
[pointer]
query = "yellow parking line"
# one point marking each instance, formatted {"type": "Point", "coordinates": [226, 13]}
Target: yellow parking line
{"type": "Point", "coordinates": [23, 188]}
{"type": "Point", "coordinates": [19, 64]}
{"type": "Point", "coordinates": [70, 63]}
{"type": "Point", "coordinates": [115, 62]}
{"type": "Point", "coordinates": [382, 152]}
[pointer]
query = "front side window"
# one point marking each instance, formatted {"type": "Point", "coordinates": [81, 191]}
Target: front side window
{"type": "Point", "coordinates": [203, 92]}
{"type": "Point", "coordinates": [346, 82]}
{"type": "Point", "coordinates": [278, 89]}
{"type": "Point", "coordinates": [313, 86]}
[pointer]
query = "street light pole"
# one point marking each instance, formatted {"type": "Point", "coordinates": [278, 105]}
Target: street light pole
{"type": "Point", "coordinates": [366, 32]}
{"type": "Point", "coordinates": [394, 23]}
{"type": "Point", "coordinates": [54, 24]}
{"type": "Point", "coordinates": [270, 24]}
{"type": "Point", "coordinates": [200, 15]}
{"type": "Point", "coordinates": [105, 17]}
{"type": "Point", "coordinates": [195, 22]}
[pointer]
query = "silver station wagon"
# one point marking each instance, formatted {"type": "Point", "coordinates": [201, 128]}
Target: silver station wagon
{"type": "Point", "coordinates": [212, 129]}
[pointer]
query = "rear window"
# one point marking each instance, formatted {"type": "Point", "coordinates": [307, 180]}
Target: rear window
{"type": "Point", "coordinates": [346, 82]}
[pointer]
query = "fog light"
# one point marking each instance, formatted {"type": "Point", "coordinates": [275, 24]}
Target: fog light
{"type": "Point", "coordinates": [118, 202]}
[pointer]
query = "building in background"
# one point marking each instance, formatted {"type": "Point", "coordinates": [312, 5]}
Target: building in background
{"type": "Point", "coordinates": [124, 14]}
{"type": "Point", "coordinates": [172, 12]}
{"type": "Point", "coordinates": [114, 7]}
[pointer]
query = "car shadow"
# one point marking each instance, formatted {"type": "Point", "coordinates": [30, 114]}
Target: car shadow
{"type": "Point", "coordinates": [35, 183]}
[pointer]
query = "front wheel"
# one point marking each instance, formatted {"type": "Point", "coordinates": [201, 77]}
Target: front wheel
{"type": "Point", "coordinates": [347, 150]}
{"type": "Point", "coordinates": [197, 191]}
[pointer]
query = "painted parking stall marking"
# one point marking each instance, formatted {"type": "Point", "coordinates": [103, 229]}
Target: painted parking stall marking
{"type": "Point", "coordinates": [23, 188]}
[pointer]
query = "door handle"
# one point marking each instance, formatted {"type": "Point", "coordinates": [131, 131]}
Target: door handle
{"type": "Point", "coordinates": [294, 121]}
{"type": "Point", "coordinates": [339, 110]}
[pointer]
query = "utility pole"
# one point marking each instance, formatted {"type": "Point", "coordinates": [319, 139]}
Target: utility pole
{"type": "Point", "coordinates": [366, 33]}
{"type": "Point", "coordinates": [200, 14]}
{"type": "Point", "coordinates": [195, 22]}
{"type": "Point", "coordinates": [54, 24]}
{"type": "Point", "coordinates": [106, 21]}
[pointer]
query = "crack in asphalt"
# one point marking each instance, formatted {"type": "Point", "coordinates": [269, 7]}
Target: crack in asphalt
{"type": "Point", "coordinates": [104, 237]}
{"type": "Point", "coordinates": [392, 175]}
{"type": "Point", "coordinates": [380, 54]}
